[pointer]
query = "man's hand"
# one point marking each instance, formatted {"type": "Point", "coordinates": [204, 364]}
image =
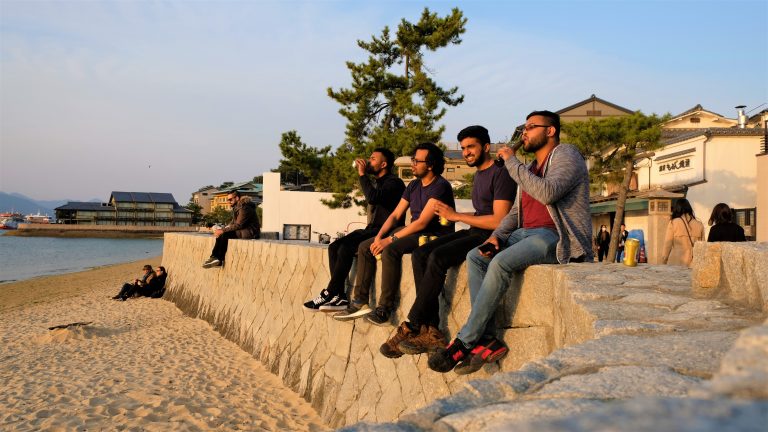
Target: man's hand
{"type": "Point", "coordinates": [379, 244]}
{"type": "Point", "coordinates": [444, 210]}
{"type": "Point", "coordinates": [218, 232]}
{"type": "Point", "coordinates": [361, 164]}
{"type": "Point", "coordinates": [505, 153]}
{"type": "Point", "coordinates": [491, 240]}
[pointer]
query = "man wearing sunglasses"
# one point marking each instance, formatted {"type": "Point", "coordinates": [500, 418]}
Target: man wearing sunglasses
{"type": "Point", "coordinates": [549, 223]}
{"type": "Point", "coordinates": [245, 225]}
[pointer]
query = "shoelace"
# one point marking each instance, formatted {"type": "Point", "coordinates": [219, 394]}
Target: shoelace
{"type": "Point", "coordinates": [319, 299]}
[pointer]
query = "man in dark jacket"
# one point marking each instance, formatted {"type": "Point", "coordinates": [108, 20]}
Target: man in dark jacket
{"type": "Point", "coordinates": [244, 226]}
{"type": "Point", "coordinates": [382, 193]}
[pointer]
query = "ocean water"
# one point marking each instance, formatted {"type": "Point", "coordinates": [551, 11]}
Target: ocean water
{"type": "Point", "coordinates": [27, 257]}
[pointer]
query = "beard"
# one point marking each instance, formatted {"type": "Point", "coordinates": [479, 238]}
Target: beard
{"type": "Point", "coordinates": [478, 161]}
{"type": "Point", "coordinates": [534, 144]}
{"type": "Point", "coordinates": [370, 169]}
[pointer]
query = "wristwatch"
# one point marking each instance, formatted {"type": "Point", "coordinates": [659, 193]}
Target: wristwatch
{"type": "Point", "coordinates": [393, 237]}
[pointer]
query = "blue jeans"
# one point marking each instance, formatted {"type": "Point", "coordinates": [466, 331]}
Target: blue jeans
{"type": "Point", "coordinates": [489, 279]}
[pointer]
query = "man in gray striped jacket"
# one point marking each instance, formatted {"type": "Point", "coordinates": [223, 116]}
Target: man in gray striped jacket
{"type": "Point", "coordinates": [549, 223]}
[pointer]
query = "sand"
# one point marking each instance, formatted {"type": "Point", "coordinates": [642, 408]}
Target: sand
{"type": "Point", "coordinates": [138, 365]}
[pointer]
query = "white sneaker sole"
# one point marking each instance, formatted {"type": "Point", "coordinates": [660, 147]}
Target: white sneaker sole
{"type": "Point", "coordinates": [354, 315]}
{"type": "Point", "coordinates": [325, 308]}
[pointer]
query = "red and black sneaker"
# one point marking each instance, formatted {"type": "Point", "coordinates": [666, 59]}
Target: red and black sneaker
{"type": "Point", "coordinates": [487, 351]}
{"type": "Point", "coordinates": [445, 359]}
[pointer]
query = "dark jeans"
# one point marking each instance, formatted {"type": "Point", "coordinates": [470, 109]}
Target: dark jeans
{"type": "Point", "coordinates": [130, 289]}
{"type": "Point", "coordinates": [220, 248]}
{"type": "Point", "coordinates": [340, 255]}
{"type": "Point", "coordinates": [430, 267]}
{"type": "Point", "coordinates": [602, 253]}
{"type": "Point", "coordinates": [391, 269]}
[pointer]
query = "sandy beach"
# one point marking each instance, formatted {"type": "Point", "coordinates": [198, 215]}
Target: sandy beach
{"type": "Point", "coordinates": [138, 365]}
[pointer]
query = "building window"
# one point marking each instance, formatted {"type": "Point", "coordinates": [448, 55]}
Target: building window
{"type": "Point", "coordinates": [695, 120]}
{"type": "Point", "coordinates": [450, 170]}
{"type": "Point", "coordinates": [747, 219]}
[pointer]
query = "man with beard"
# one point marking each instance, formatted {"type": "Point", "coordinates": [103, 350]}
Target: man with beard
{"type": "Point", "coordinates": [492, 194]}
{"type": "Point", "coordinates": [549, 223]}
{"type": "Point", "coordinates": [392, 243]}
{"type": "Point", "coordinates": [382, 195]}
{"type": "Point", "coordinates": [245, 225]}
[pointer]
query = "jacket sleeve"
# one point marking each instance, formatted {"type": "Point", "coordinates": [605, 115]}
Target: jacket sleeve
{"type": "Point", "coordinates": [377, 195]}
{"type": "Point", "coordinates": [243, 218]}
{"type": "Point", "coordinates": [556, 183]}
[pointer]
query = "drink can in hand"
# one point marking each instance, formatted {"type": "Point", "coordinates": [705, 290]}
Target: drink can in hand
{"type": "Point", "coordinates": [444, 221]}
{"type": "Point", "coordinates": [423, 240]}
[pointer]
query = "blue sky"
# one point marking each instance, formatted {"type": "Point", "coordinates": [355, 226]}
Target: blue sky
{"type": "Point", "coordinates": [172, 96]}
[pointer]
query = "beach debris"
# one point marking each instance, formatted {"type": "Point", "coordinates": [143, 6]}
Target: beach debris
{"type": "Point", "coordinates": [75, 324]}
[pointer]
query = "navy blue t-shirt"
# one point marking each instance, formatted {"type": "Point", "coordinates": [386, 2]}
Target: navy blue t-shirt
{"type": "Point", "coordinates": [417, 197]}
{"type": "Point", "coordinates": [491, 184]}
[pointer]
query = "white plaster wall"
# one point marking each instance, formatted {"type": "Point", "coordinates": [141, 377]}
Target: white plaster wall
{"type": "Point", "coordinates": [762, 198]}
{"type": "Point", "coordinates": [289, 207]}
{"type": "Point", "coordinates": [731, 174]}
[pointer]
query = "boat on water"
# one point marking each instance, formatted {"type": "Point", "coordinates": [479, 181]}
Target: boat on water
{"type": "Point", "coordinates": [37, 218]}
{"type": "Point", "coordinates": [10, 221]}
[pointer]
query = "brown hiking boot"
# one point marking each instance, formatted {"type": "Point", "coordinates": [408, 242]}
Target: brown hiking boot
{"type": "Point", "coordinates": [389, 348]}
{"type": "Point", "coordinates": [429, 339]}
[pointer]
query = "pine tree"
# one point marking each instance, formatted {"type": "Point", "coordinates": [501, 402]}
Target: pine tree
{"type": "Point", "coordinates": [613, 145]}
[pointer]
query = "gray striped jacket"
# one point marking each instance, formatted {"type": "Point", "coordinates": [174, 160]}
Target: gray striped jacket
{"type": "Point", "coordinates": [564, 189]}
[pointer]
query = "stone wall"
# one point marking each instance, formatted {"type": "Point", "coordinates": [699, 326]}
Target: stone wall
{"type": "Point", "coordinates": [255, 301]}
{"type": "Point", "coordinates": [734, 271]}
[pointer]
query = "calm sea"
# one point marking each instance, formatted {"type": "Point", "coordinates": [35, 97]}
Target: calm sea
{"type": "Point", "coordinates": [28, 257]}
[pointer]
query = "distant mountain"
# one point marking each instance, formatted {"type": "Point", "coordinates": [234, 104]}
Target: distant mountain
{"type": "Point", "coordinates": [25, 205]}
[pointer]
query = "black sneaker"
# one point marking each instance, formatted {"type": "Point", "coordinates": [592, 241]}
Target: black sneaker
{"type": "Point", "coordinates": [353, 311]}
{"type": "Point", "coordinates": [212, 262]}
{"type": "Point", "coordinates": [380, 316]}
{"type": "Point", "coordinates": [445, 359]}
{"type": "Point", "coordinates": [314, 304]}
{"type": "Point", "coordinates": [335, 304]}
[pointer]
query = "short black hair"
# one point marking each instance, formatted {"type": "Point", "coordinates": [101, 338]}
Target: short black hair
{"type": "Point", "coordinates": [681, 207]}
{"type": "Point", "coordinates": [147, 267]}
{"type": "Point", "coordinates": [234, 192]}
{"type": "Point", "coordinates": [554, 120]}
{"type": "Point", "coordinates": [435, 157]}
{"type": "Point", "coordinates": [721, 214]}
{"type": "Point", "coordinates": [388, 155]}
{"type": "Point", "coordinates": [477, 132]}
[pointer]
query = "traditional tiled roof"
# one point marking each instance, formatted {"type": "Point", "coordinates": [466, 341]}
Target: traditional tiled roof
{"type": "Point", "coordinates": [81, 205]}
{"type": "Point", "coordinates": [675, 138]}
{"type": "Point", "coordinates": [696, 108]}
{"type": "Point", "coordinates": [594, 98]}
{"type": "Point", "coordinates": [144, 197]}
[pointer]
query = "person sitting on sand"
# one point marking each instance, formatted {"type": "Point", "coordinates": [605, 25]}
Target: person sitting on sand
{"type": "Point", "coordinates": [152, 285]}
{"type": "Point", "coordinates": [136, 282]}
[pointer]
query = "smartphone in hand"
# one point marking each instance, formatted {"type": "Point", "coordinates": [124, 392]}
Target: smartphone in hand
{"type": "Point", "coordinates": [488, 248]}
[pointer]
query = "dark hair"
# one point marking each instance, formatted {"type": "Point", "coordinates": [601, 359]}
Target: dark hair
{"type": "Point", "coordinates": [721, 214]}
{"type": "Point", "coordinates": [162, 268]}
{"type": "Point", "coordinates": [554, 120]}
{"type": "Point", "coordinates": [234, 192]}
{"type": "Point", "coordinates": [435, 157]}
{"type": "Point", "coordinates": [477, 132]}
{"type": "Point", "coordinates": [388, 155]}
{"type": "Point", "coordinates": [681, 207]}
{"type": "Point", "coordinates": [147, 267]}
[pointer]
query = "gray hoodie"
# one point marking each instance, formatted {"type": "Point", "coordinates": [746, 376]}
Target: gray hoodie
{"type": "Point", "coordinates": [564, 189]}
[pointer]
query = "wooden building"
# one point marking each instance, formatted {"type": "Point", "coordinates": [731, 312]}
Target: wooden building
{"type": "Point", "coordinates": [129, 209]}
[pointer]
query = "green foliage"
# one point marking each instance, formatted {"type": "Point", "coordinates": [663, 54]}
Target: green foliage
{"type": "Point", "coordinates": [219, 215]}
{"type": "Point", "coordinates": [465, 191]}
{"type": "Point", "coordinates": [301, 163]}
{"type": "Point", "coordinates": [612, 145]}
{"type": "Point", "coordinates": [197, 211]}
{"type": "Point", "coordinates": [258, 180]}
{"type": "Point", "coordinates": [225, 185]}
{"type": "Point", "coordinates": [393, 101]}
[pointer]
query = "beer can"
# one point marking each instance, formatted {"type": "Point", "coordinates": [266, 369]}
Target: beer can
{"type": "Point", "coordinates": [443, 221]}
{"type": "Point", "coordinates": [378, 257]}
{"type": "Point", "coordinates": [423, 240]}
{"type": "Point", "coordinates": [432, 238]}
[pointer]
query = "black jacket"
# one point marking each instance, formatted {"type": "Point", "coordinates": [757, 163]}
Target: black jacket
{"type": "Point", "coordinates": [383, 195]}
